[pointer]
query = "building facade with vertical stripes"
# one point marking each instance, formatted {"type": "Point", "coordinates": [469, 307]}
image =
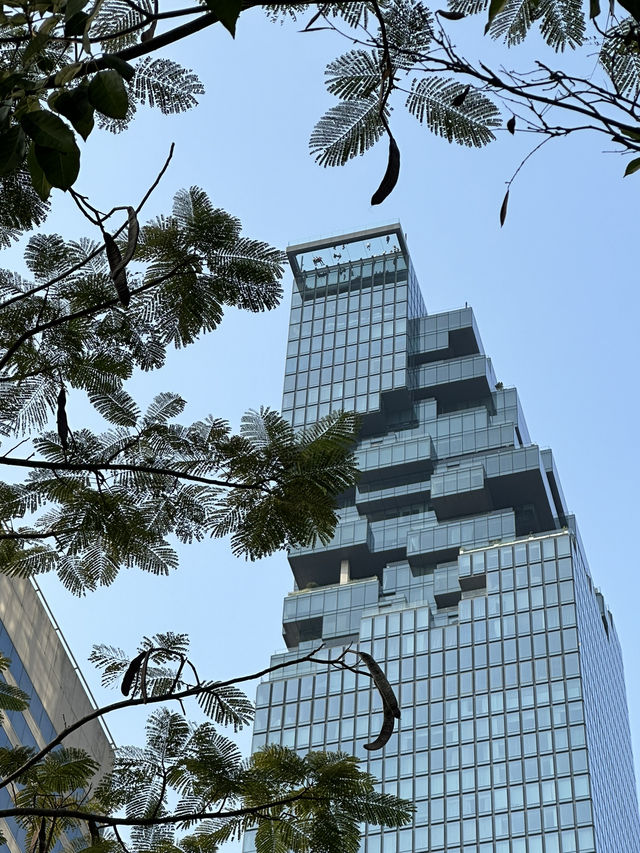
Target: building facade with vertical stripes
{"type": "Point", "coordinates": [43, 666]}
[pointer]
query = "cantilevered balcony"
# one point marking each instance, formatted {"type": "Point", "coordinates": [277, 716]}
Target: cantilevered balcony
{"type": "Point", "coordinates": [444, 336]}
{"type": "Point", "coordinates": [456, 380]}
{"type": "Point", "coordinates": [461, 491]}
{"type": "Point", "coordinates": [442, 542]}
{"type": "Point", "coordinates": [327, 611]}
{"type": "Point", "coordinates": [410, 459]}
{"type": "Point", "coordinates": [497, 481]}
{"type": "Point", "coordinates": [560, 503]}
{"type": "Point", "coordinates": [446, 586]}
{"type": "Point", "coordinates": [392, 498]}
{"type": "Point", "coordinates": [352, 541]}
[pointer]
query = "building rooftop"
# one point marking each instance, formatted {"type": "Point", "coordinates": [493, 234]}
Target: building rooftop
{"type": "Point", "coordinates": [347, 248]}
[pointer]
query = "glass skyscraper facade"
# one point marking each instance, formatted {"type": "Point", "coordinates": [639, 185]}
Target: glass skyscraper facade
{"type": "Point", "coordinates": [457, 565]}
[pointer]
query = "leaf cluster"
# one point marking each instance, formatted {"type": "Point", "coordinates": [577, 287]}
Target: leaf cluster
{"type": "Point", "coordinates": [47, 794]}
{"type": "Point", "coordinates": [366, 81]}
{"type": "Point", "coordinates": [130, 488]}
{"type": "Point", "coordinates": [60, 70]}
{"type": "Point", "coordinates": [403, 48]}
{"type": "Point", "coordinates": [197, 777]}
{"type": "Point", "coordinates": [94, 502]}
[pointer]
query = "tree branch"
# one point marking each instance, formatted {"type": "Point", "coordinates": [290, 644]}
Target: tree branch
{"type": "Point", "coordinates": [95, 467]}
{"type": "Point", "coordinates": [32, 291]}
{"type": "Point", "coordinates": [187, 693]}
{"type": "Point", "coordinates": [186, 817]}
{"type": "Point", "coordinates": [84, 312]}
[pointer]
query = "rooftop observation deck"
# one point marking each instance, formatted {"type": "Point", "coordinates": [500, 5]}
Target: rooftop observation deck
{"type": "Point", "coordinates": [344, 249]}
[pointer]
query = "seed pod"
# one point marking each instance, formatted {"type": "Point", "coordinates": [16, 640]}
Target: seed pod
{"type": "Point", "coordinates": [503, 208]}
{"type": "Point", "coordinates": [93, 831]}
{"type": "Point", "coordinates": [386, 731]}
{"type": "Point", "coordinates": [451, 16]}
{"type": "Point", "coordinates": [130, 674]}
{"type": "Point", "coordinates": [118, 273]}
{"type": "Point", "coordinates": [385, 690]}
{"type": "Point", "coordinates": [459, 100]}
{"type": "Point", "coordinates": [147, 35]}
{"type": "Point", "coordinates": [511, 125]}
{"type": "Point", "coordinates": [391, 176]}
{"type": "Point", "coordinates": [61, 420]}
{"type": "Point", "coordinates": [133, 232]}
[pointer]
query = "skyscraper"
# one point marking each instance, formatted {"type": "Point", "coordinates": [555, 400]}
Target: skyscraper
{"type": "Point", "coordinates": [457, 565]}
{"type": "Point", "coordinates": [42, 665]}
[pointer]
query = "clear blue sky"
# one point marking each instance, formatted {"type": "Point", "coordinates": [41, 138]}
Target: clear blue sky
{"type": "Point", "coordinates": [555, 295]}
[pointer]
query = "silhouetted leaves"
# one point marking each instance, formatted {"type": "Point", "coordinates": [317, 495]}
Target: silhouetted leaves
{"type": "Point", "coordinates": [107, 93]}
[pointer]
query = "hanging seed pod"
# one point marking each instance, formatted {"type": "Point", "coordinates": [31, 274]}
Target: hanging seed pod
{"type": "Point", "coordinates": [117, 263]}
{"type": "Point", "coordinates": [133, 232]}
{"type": "Point", "coordinates": [118, 273]}
{"type": "Point", "coordinates": [459, 100]}
{"type": "Point", "coordinates": [61, 420]}
{"type": "Point", "coordinates": [386, 731]}
{"type": "Point", "coordinates": [390, 706]}
{"type": "Point", "coordinates": [503, 208]}
{"type": "Point", "coordinates": [147, 35]}
{"type": "Point", "coordinates": [132, 670]}
{"type": "Point", "coordinates": [93, 831]}
{"type": "Point", "coordinates": [384, 688]}
{"type": "Point", "coordinates": [392, 174]}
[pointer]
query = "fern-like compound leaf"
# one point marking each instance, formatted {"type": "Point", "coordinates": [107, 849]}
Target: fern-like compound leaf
{"type": "Point", "coordinates": [431, 102]}
{"type": "Point", "coordinates": [561, 22]}
{"type": "Point", "coordinates": [620, 57]}
{"type": "Point", "coordinates": [166, 85]}
{"type": "Point", "coordinates": [354, 75]}
{"type": "Point", "coordinates": [346, 130]}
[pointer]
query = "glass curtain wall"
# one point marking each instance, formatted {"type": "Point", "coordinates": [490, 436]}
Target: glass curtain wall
{"type": "Point", "coordinates": [458, 567]}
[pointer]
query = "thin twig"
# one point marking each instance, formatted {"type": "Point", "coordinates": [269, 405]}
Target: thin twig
{"type": "Point", "coordinates": [97, 251]}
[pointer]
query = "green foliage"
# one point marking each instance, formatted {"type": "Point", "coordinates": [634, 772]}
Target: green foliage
{"type": "Point", "coordinates": [620, 56]}
{"type": "Point", "coordinates": [561, 21]}
{"type": "Point", "coordinates": [364, 80]}
{"type": "Point", "coordinates": [295, 803]}
{"type": "Point", "coordinates": [12, 698]}
{"type": "Point", "coordinates": [20, 206]}
{"type": "Point", "coordinates": [354, 75]}
{"type": "Point", "coordinates": [166, 85]}
{"type": "Point", "coordinates": [95, 502]}
{"type": "Point", "coordinates": [306, 469]}
{"type": "Point", "coordinates": [188, 788]}
{"type": "Point", "coordinates": [118, 23]}
{"type": "Point", "coordinates": [409, 31]}
{"type": "Point", "coordinates": [453, 96]}
{"type": "Point", "coordinates": [73, 58]}
{"type": "Point", "coordinates": [97, 523]}
{"type": "Point", "coordinates": [60, 782]}
{"type": "Point", "coordinates": [347, 130]}
{"type": "Point", "coordinates": [48, 61]}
